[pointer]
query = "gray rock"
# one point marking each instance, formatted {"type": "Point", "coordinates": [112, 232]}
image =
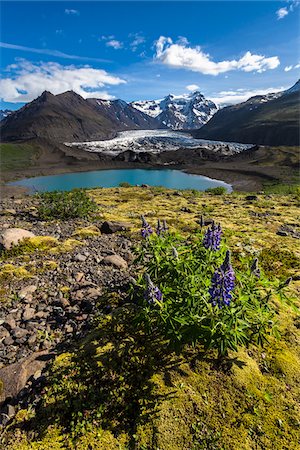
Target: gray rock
{"type": "Point", "coordinates": [112, 227]}
{"type": "Point", "coordinates": [26, 292]}
{"type": "Point", "coordinates": [116, 261]}
{"type": "Point", "coordinates": [79, 257]}
{"type": "Point", "coordinates": [8, 340]}
{"type": "Point", "coordinates": [19, 332]}
{"type": "Point", "coordinates": [28, 313]}
{"type": "Point", "coordinates": [13, 236]}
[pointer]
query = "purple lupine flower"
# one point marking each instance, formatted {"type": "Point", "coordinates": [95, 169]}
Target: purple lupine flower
{"type": "Point", "coordinates": [165, 226]}
{"type": "Point", "coordinates": [222, 284]}
{"type": "Point", "coordinates": [159, 228]}
{"type": "Point", "coordinates": [146, 228]}
{"type": "Point", "coordinates": [212, 237]}
{"type": "Point", "coordinates": [255, 270]}
{"type": "Point", "coordinates": [152, 292]}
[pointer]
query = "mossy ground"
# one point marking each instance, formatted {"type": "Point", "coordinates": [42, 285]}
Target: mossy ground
{"type": "Point", "coordinates": [130, 392]}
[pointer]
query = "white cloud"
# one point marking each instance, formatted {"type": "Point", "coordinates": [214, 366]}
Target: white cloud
{"type": "Point", "coordinates": [241, 95]}
{"type": "Point", "coordinates": [45, 51]}
{"type": "Point", "coordinates": [281, 13]}
{"type": "Point", "coordinates": [181, 56]}
{"type": "Point", "coordinates": [72, 12]}
{"type": "Point", "coordinates": [137, 40]}
{"type": "Point", "coordinates": [26, 80]}
{"type": "Point", "coordinates": [114, 44]}
{"type": "Point", "coordinates": [192, 87]}
{"type": "Point", "coordinates": [288, 68]}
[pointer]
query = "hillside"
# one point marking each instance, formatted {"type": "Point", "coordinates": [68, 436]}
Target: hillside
{"type": "Point", "coordinates": [97, 378]}
{"type": "Point", "coordinates": [260, 120]}
{"type": "Point", "coordinates": [125, 116]}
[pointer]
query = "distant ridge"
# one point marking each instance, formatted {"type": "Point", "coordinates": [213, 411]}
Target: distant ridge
{"type": "Point", "coordinates": [271, 119]}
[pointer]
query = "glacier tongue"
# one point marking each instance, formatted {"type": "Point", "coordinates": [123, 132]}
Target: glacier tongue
{"type": "Point", "coordinates": [155, 142]}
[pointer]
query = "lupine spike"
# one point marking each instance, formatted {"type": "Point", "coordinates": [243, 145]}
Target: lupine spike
{"type": "Point", "coordinates": [146, 228]}
{"type": "Point", "coordinates": [159, 228]}
{"type": "Point", "coordinates": [222, 283]}
{"type": "Point", "coordinates": [152, 292]}
{"type": "Point", "coordinates": [165, 226]}
{"type": "Point", "coordinates": [212, 237]}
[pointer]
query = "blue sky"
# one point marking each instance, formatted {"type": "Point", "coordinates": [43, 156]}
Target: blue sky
{"type": "Point", "coordinates": [145, 50]}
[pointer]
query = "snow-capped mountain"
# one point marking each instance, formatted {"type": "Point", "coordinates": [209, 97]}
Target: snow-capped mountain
{"type": "Point", "coordinates": [4, 113]}
{"type": "Point", "coordinates": [178, 112]}
{"type": "Point", "coordinates": [125, 116]}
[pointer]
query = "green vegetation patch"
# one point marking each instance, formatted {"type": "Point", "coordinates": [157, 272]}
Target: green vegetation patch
{"type": "Point", "coordinates": [65, 205]}
{"type": "Point", "coordinates": [17, 156]}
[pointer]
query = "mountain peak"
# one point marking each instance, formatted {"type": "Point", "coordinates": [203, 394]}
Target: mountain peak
{"type": "Point", "coordinates": [186, 111]}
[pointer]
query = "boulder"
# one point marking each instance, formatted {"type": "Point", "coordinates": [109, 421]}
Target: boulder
{"type": "Point", "coordinates": [14, 377]}
{"type": "Point", "coordinates": [13, 236]}
{"type": "Point", "coordinates": [113, 227]}
{"type": "Point", "coordinates": [116, 261]}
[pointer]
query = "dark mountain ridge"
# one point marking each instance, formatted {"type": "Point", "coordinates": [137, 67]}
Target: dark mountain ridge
{"type": "Point", "coordinates": [59, 118]}
{"type": "Point", "coordinates": [263, 120]}
{"type": "Point", "coordinates": [125, 116]}
{"type": "Point", "coordinates": [69, 117]}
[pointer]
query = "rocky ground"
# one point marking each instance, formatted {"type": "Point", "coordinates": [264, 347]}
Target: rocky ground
{"type": "Point", "coordinates": [52, 290]}
{"type": "Point", "coordinates": [56, 299]}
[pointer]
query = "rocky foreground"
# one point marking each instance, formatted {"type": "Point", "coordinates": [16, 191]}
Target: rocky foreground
{"type": "Point", "coordinates": [52, 290]}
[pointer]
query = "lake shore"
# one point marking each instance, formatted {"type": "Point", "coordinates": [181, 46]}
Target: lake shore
{"type": "Point", "coordinates": [247, 172]}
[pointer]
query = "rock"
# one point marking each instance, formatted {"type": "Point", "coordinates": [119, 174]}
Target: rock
{"type": "Point", "coordinates": [93, 293]}
{"type": "Point", "coordinates": [15, 376]}
{"type": "Point", "coordinates": [28, 313]}
{"type": "Point", "coordinates": [19, 332]}
{"type": "Point", "coordinates": [185, 209]}
{"type": "Point", "coordinates": [9, 323]}
{"type": "Point", "coordinates": [7, 412]}
{"type": "Point", "coordinates": [145, 185]}
{"type": "Point", "coordinates": [26, 292]}
{"type": "Point", "coordinates": [79, 257]}
{"type": "Point", "coordinates": [32, 340]}
{"type": "Point", "coordinates": [116, 261]}
{"type": "Point", "coordinates": [13, 236]}
{"type": "Point", "coordinates": [282, 233]}
{"type": "Point", "coordinates": [113, 227]}
{"type": "Point", "coordinates": [79, 276]}
{"type": "Point", "coordinates": [8, 340]}
{"type": "Point", "coordinates": [251, 197]}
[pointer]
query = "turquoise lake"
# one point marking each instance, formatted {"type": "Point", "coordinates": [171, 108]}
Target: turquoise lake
{"type": "Point", "coordinates": [173, 179]}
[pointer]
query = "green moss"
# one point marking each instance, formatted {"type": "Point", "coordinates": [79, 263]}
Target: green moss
{"type": "Point", "coordinates": [276, 261]}
{"type": "Point", "coordinates": [9, 271]}
{"type": "Point", "coordinates": [89, 231]}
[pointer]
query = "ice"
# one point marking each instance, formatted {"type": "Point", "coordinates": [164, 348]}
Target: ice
{"type": "Point", "coordinates": [156, 141]}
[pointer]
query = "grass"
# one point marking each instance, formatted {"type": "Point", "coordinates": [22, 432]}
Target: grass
{"type": "Point", "coordinates": [117, 389]}
{"type": "Point", "coordinates": [17, 156]}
